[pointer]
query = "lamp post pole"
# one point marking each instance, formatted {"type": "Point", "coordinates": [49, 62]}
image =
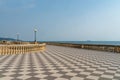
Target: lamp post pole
{"type": "Point", "coordinates": [35, 31]}
{"type": "Point", "coordinates": [17, 36]}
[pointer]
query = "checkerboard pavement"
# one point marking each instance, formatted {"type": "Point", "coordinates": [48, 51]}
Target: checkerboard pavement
{"type": "Point", "coordinates": [61, 63]}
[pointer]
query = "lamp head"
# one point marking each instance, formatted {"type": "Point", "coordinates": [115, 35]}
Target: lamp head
{"type": "Point", "coordinates": [35, 30]}
{"type": "Point", "coordinates": [17, 33]}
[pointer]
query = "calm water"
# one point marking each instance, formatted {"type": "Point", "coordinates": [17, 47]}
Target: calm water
{"type": "Point", "coordinates": [91, 42]}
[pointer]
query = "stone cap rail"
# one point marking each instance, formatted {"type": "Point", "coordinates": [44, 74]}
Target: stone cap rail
{"type": "Point", "coordinates": [20, 48]}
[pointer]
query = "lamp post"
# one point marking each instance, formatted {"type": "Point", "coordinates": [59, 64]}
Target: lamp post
{"type": "Point", "coordinates": [17, 36]}
{"type": "Point", "coordinates": [35, 31]}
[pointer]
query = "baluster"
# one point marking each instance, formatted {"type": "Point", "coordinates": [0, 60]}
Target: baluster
{"type": "Point", "coordinates": [0, 50]}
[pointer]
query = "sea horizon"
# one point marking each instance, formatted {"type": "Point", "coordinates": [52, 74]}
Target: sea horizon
{"type": "Point", "coordinates": [88, 42]}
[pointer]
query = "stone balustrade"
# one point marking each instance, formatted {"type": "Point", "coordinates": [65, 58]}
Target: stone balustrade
{"type": "Point", "coordinates": [109, 48]}
{"type": "Point", "coordinates": [20, 48]}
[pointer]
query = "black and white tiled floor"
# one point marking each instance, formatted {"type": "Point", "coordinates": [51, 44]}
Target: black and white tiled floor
{"type": "Point", "coordinates": [61, 63]}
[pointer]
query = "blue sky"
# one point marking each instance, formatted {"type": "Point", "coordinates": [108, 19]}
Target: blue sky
{"type": "Point", "coordinates": [61, 20]}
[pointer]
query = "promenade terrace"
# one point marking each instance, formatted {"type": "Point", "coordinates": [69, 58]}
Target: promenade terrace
{"type": "Point", "coordinates": [61, 63]}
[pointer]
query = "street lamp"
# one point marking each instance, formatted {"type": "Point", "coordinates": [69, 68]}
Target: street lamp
{"type": "Point", "coordinates": [17, 36]}
{"type": "Point", "coordinates": [35, 30]}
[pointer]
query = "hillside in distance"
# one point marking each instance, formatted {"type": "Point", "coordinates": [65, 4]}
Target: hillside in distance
{"type": "Point", "coordinates": [8, 39]}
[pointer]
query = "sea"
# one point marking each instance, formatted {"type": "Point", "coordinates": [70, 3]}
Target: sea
{"type": "Point", "coordinates": [89, 42]}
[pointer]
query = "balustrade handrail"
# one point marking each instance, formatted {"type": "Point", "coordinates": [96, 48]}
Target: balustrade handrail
{"type": "Point", "coordinates": [20, 48]}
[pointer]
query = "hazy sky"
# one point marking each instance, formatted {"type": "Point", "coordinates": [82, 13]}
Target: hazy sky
{"type": "Point", "coordinates": [61, 19]}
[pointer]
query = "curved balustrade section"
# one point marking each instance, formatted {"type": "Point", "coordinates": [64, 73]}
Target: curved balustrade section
{"type": "Point", "coordinates": [21, 48]}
